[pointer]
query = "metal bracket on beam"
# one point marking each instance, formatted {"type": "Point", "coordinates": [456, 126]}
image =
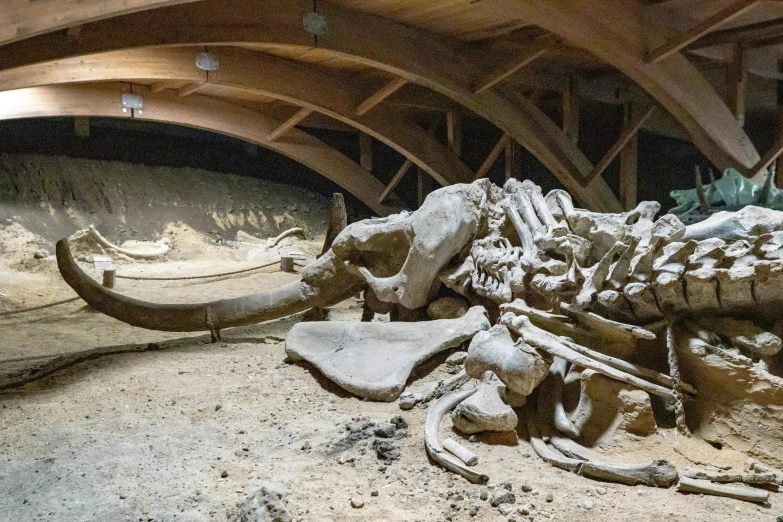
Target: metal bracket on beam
{"type": "Point", "coordinates": [132, 101]}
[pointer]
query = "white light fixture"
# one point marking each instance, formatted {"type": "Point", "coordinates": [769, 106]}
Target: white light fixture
{"type": "Point", "coordinates": [207, 61]}
{"type": "Point", "coordinates": [132, 101]}
{"type": "Point", "coordinates": [314, 23]}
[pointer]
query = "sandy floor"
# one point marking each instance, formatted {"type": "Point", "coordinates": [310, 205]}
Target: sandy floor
{"type": "Point", "coordinates": [146, 435]}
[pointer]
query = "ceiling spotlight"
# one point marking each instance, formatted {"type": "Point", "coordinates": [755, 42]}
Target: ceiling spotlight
{"type": "Point", "coordinates": [132, 101]}
{"type": "Point", "coordinates": [207, 61]}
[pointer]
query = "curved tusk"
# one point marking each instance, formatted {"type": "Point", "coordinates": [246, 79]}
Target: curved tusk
{"type": "Point", "coordinates": [159, 249]}
{"type": "Point", "coordinates": [212, 316]}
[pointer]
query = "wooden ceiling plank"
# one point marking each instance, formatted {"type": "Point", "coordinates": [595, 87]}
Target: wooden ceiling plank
{"type": "Point", "coordinates": [290, 123]}
{"type": "Point", "coordinates": [507, 69]}
{"type": "Point", "coordinates": [697, 31]}
{"type": "Point", "coordinates": [380, 95]}
{"type": "Point", "coordinates": [753, 35]}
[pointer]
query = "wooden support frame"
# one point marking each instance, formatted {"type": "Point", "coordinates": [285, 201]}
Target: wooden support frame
{"type": "Point", "coordinates": [292, 82]}
{"type": "Point", "coordinates": [617, 35]}
{"type": "Point", "coordinates": [201, 112]}
{"type": "Point", "coordinates": [190, 88]}
{"type": "Point", "coordinates": [702, 28]}
{"type": "Point", "coordinates": [571, 109]}
{"type": "Point", "coordinates": [365, 151]}
{"type": "Point", "coordinates": [290, 123]}
{"type": "Point", "coordinates": [736, 82]}
{"type": "Point", "coordinates": [769, 158]}
{"type": "Point", "coordinates": [406, 166]}
{"type": "Point", "coordinates": [513, 159]}
{"type": "Point", "coordinates": [380, 95]}
{"type": "Point", "coordinates": [507, 69]}
{"type": "Point", "coordinates": [454, 131]}
{"type": "Point", "coordinates": [628, 133]}
{"type": "Point", "coordinates": [629, 162]}
{"type": "Point", "coordinates": [492, 157]}
{"type": "Point", "coordinates": [382, 43]}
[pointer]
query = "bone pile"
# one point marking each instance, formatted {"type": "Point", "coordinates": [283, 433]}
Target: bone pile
{"type": "Point", "coordinates": [544, 293]}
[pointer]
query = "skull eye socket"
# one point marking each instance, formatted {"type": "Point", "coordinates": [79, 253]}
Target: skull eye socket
{"type": "Point", "coordinates": [386, 256]}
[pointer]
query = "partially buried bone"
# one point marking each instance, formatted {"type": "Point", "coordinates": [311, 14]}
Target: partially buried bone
{"type": "Point", "coordinates": [744, 335]}
{"type": "Point", "coordinates": [374, 360]}
{"type": "Point", "coordinates": [410, 399]}
{"type": "Point", "coordinates": [518, 366]}
{"type": "Point", "coordinates": [434, 416]}
{"type": "Point", "coordinates": [705, 487]}
{"type": "Point", "coordinates": [460, 451]}
{"type": "Point", "coordinates": [485, 410]}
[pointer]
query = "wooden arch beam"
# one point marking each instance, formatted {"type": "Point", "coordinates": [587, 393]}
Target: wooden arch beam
{"type": "Point", "coordinates": [404, 51]}
{"type": "Point", "coordinates": [21, 19]}
{"type": "Point", "coordinates": [202, 112]}
{"type": "Point", "coordinates": [294, 82]}
{"type": "Point", "coordinates": [614, 30]}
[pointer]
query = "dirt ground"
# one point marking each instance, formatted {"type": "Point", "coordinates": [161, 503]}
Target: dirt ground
{"type": "Point", "coordinates": [184, 429]}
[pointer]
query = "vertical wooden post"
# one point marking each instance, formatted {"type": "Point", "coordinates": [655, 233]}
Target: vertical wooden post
{"type": "Point", "coordinates": [779, 136]}
{"type": "Point", "coordinates": [513, 160]}
{"type": "Point", "coordinates": [454, 131]}
{"type": "Point", "coordinates": [736, 83]}
{"type": "Point", "coordinates": [629, 159]}
{"type": "Point", "coordinates": [424, 185]}
{"type": "Point", "coordinates": [109, 278]}
{"type": "Point", "coordinates": [571, 108]}
{"type": "Point", "coordinates": [365, 151]}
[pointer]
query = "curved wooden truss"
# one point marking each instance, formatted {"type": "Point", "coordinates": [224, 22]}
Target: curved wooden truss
{"type": "Point", "coordinates": [615, 31]}
{"type": "Point", "coordinates": [201, 112]}
{"type": "Point", "coordinates": [290, 81]}
{"type": "Point", "coordinates": [277, 26]}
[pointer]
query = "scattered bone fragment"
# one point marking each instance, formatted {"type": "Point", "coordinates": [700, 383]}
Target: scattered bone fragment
{"type": "Point", "coordinates": [485, 410]}
{"type": "Point", "coordinates": [374, 360]}
{"type": "Point", "coordinates": [434, 416]}
{"type": "Point", "coordinates": [460, 451]}
{"type": "Point", "coordinates": [408, 400]}
{"type": "Point", "coordinates": [518, 366]}
{"type": "Point", "coordinates": [755, 479]}
{"type": "Point", "coordinates": [456, 359]}
{"type": "Point", "coordinates": [705, 487]}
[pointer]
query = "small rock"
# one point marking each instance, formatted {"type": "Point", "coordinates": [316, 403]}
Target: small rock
{"type": "Point", "coordinates": [587, 504]}
{"type": "Point", "coordinates": [473, 511]}
{"type": "Point", "coordinates": [506, 485]}
{"type": "Point", "coordinates": [386, 450]}
{"type": "Point", "coordinates": [306, 446]}
{"type": "Point", "coordinates": [602, 491]}
{"type": "Point", "coordinates": [374, 493]}
{"type": "Point", "coordinates": [502, 496]}
{"type": "Point", "coordinates": [385, 430]}
{"type": "Point", "coordinates": [505, 509]}
{"type": "Point", "coordinates": [524, 509]}
{"type": "Point", "coordinates": [265, 505]}
{"type": "Point", "coordinates": [550, 497]}
{"type": "Point", "coordinates": [218, 407]}
{"type": "Point", "coordinates": [399, 422]}
{"type": "Point", "coordinates": [484, 495]}
{"type": "Point", "coordinates": [223, 474]}
{"type": "Point", "coordinates": [40, 254]}
{"type": "Point", "coordinates": [357, 502]}
{"type": "Point", "coordinates": [153, 346]}
{"type": "Point", "coordinates": [526, 489]}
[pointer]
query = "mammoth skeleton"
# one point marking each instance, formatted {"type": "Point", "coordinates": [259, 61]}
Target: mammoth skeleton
{"type": "Point", "coordinates": [562, 286]}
